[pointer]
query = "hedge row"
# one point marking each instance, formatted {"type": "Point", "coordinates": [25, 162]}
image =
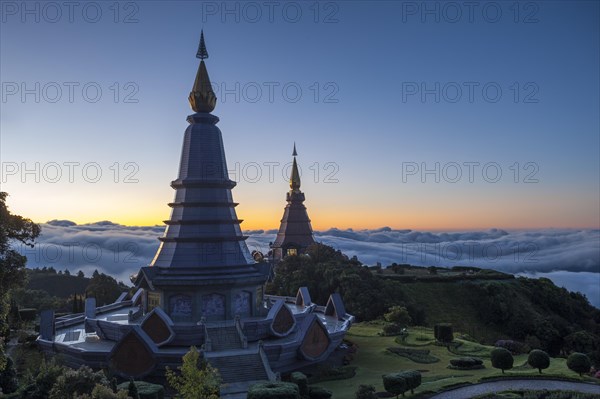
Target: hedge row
{"type": "Point", "coordinates": [466, 363]}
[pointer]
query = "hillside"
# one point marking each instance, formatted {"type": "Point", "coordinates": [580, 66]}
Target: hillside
{"type": "Point", "coordinates": [48, 289]}
{"type": "Point", "coordinates": [58, 285]}
{"type": "Point", "coordinates": [485, 304]}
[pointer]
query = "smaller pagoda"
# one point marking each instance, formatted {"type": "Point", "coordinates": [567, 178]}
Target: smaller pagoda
{"type": "Point", "coordinates": [295, 232]}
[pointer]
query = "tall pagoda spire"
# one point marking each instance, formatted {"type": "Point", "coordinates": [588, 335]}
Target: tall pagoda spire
{"type": "Point", "coordinates": [203, 267]}
{"type": "Point", "coordinates": [202, 98]}
{"type": "Point", "coordinates": [295, 232]}
{"type": "Point", "coordinates": [295, 176]}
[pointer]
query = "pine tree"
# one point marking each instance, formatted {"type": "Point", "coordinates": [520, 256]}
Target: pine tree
{"type": "Point", "coordinates": [75, 308]}
{"type": "Point", "coordinates": [132, 390]}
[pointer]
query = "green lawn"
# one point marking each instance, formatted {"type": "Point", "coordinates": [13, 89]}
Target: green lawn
{"type": "Point", "coordinates": [373, 360]}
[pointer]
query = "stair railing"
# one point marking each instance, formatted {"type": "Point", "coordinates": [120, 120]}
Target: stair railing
{"type": "Point", "coordinates": [267, 366]}
{"type": "Point", "coordinates": [207, 341]}
{"type": "Point", "coordinates": [240, 331]}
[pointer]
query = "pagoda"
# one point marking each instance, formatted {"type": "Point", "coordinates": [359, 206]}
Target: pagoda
{"type": "Point", "coordinates": [203, 288]}
{"type": "Point", "coordinates": [295, 232]}
{"type": "Point", "coordinates": [203, 267]}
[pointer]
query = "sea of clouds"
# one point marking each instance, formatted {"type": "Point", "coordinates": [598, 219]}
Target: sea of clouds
{"type": "Point", "coordinates": [569, 257]}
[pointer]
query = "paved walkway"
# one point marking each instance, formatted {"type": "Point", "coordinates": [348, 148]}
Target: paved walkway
{"type": "Point", "coordinates": [470, 391]}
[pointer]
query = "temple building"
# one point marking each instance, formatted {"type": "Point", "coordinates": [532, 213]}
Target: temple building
{"type": "Point", "coordinates": [295, 232]}
{"type": "Point", "coordinates": [203, 288]}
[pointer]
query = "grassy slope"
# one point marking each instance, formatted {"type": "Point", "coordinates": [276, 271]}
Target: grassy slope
{"type": "Point", "coordinates": [373, 360]}
{"type": "Point", "coordinates": [449, 302]}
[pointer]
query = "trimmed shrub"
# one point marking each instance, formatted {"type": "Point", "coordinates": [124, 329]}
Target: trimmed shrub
{"type": "Point", "coordinates": [132, 390]}
{"type": "Point", "coordinates": [416, 355]}
{"type": "Point", "coordinates": [390, 329]}
{"type": "Point", "coordinates": [515, 347]}
{"type": "Point", "coordinates": [395, 384]}
{"type": "Point", "coordinates": [302, 382]}
{"type": "Point", "coordinates": [413, 378]}
{"type": "Point", "coordinates": [443, 332]}
{"type": "Point", "coordinates": [327, 373]}
{"type": "Point", "coordinates": [365, 392]}
{"type": "Point", "coordinates": [274, 390]}
{"type": "Point", "coordinates": [502, 359]}
{"type": "Point", "coordinates": [466, 363]}
{"type": "Point", "coordinates": [145, 390]}
{"type": "Point", "coordinates": [399, 383]}
{"type": "Point", "coordinates": [579, 363]}
{"type": "Point", "coordinates": [538, 359]}
{"type": "Point", "coordinates": [319, 393]}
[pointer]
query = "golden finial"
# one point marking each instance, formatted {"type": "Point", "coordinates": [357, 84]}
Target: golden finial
{"type": "Point", "coordinates": [202, 98]}
{"type": "Point", "coordinates": [295, 177]}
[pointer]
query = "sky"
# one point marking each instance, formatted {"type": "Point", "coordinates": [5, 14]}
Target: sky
{"type": "Point", "coordinates": [436, 116]}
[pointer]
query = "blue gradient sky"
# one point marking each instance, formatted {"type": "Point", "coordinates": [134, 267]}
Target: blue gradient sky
{"type": "Point", "coordinates": [365, 57]}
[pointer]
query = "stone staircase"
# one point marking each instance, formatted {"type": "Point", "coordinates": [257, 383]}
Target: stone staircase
{"type": "Point", "coordinates": [224, 338]}
{"type": "Point", "coordinates": [239, 367]}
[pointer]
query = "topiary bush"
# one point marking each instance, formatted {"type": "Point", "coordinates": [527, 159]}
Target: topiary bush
{"type": "Point", "coordinates": [443, 332]}
{"type": "Point", "coordinates": [273, 390]}
{"type": "Point", "coordinates": [145, 390]}
{"type": "Point", "coordinates": [327, 373]}
{"type": "Point", "coordinates": [413, 378]}
{"type": "Point", "coordinates": [132, 390]}
{"type": "Point", "coordinates": [579, 363]}
{"type": "Point", "coordinates": [391, 329]}
{"type": "Point", "coordinates": [302, 382]}
{"type": "Point", "coordinates": [502, 359]}
{"type": "Point", "coordinates": [395, 384]}
{"type": "Point", "coordinates": [538, 359]}
{"type": "Point", "coordinates": [365, 392]}
{"type": "Point", "coordinates": [319, 393]}
{"type": "Point", "coordinates": [422, 356]}
{"type": "Point", "coordinates": [466, 363]}
{"type": "Point", "coordinates": [399, 383]}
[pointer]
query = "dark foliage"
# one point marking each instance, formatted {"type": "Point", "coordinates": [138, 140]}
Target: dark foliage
{"type": "Point", "coordinates": [515, 347]}
{"type": "Point", "coordinates": [552, 314]}
{"type": "Point", "coordinates": [365, 392]}
{"type": "Point", "coordinates": [302, 382]}
{"type": "Point", "coordinates": [579, 363]}
{"type": "Point", "coordinates": [104, 288]}
{"type": "Point", "coordinates": [274, 390]}
{"type": "Point", "coordinates": [466, 363]}
{"type": "Point", "coordinates": [132, 390]}
{"type": "Point", "coordinates": [325, 270]}
{"type": "Point", "coordinates": [319, 393]}
{"type": "Point", "coordinates": [399, 383]}
{"type": "Point", "coordinates": [538, 359]}
{"type": "Point", "coordinates": [502, 359]}
{"type": "Point", "coordinates": [8, 377]}
{"type": "Point", "coordinates": [443, 332]}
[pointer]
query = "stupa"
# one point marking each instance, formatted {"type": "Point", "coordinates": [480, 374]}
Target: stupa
{"type": "Point", "coordinates": [295, 232]}
{"type": "Point", "coordinates": [202, 288]}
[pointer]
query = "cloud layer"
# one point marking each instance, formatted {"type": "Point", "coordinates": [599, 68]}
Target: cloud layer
{"type": "Point", "coordinates": [569, 257]}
